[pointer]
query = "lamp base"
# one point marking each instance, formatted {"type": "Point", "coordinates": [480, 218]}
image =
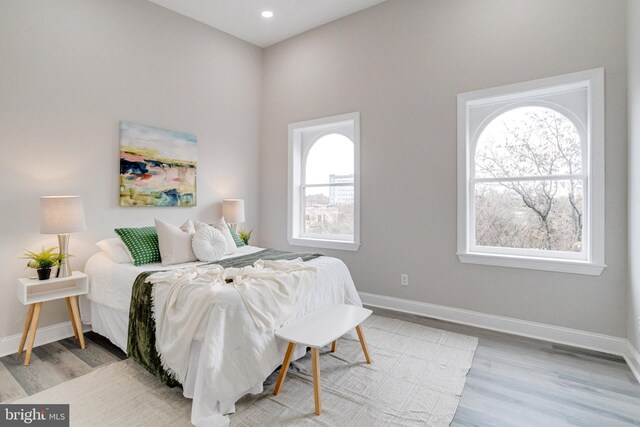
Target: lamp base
{"type": "Point", "coordinates": [64, 269]}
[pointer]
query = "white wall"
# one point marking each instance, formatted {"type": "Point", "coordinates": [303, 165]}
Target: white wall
{"type": "Point", "coordinates": [69, 72]}
{"type": "Point", "coordinates": [401, 64]}
{"type": "Point", "coordinates": [633, 48]}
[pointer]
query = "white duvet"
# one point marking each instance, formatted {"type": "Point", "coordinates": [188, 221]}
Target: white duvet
{"type": "Point", "coordinates": [239, 354]}
{"type": "Point", "coordinates": [182, 299]}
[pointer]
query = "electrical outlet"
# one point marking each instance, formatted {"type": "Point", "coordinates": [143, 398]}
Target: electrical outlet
{"type": "Point", "coordinates": [404, 280]}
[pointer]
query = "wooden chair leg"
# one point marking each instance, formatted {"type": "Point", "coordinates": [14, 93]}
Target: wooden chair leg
{"type": "Point", "coordinates": [32, 331]}
{"type": "Point", "coordinates": [315, 364]}
{"type": "Point", "coordinates": [363, 343]}
{"type": "Point", "coordinates": [73, 320]}
{"type": "Point", "coordinates": [333, 346]}
{"type": "Point", "coordinates": [284, 368]}
{"type": "Point", "coordinates": [25, 331]}
{"type": "Point", "coordinates": [76, 316]}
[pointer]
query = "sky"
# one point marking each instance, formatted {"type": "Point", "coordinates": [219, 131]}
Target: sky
{"type": "Point", "coordinates": [331, 154]}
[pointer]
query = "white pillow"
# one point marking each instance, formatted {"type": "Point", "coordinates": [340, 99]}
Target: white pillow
{"type": "Point", "coordinates": [188, 227]}
{"type": "Point", "coordinates": [116, 250]}
{"type": "Point", "coordinates": [208, 243]}
{"type": "Point", "coordinates": [175, 244]}
{"type": "Point", "coordinates": [222, 226]}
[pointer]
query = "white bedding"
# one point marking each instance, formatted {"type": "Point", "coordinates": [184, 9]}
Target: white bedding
{"type": "Point", "coordinates": [110, 284]}
{"type": "Point", "coordinates": [240, 355]}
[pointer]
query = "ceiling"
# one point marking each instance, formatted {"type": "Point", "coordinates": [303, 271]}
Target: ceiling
{"type": "Point", "coordinates": [241, 18]}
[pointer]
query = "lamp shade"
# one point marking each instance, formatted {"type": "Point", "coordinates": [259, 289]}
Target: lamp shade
{"type": "Point", "coordinates": [233, 210]}
{"type": "Point", "coordinates": [61, 214]}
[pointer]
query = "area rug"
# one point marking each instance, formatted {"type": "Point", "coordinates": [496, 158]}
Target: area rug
{"type": "Point", "coordinates": [416, 378]}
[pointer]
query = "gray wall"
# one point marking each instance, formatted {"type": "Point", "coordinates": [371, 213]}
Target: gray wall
{"type": "Point", "coordinates": [401, 64]}
{"type": "Point", "coordinates": [633, 48]}
{"type": "Point", "coordinates": [69, 72]}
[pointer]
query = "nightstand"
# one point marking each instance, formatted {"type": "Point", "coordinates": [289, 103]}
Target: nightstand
{"type": "Point", "coordinates": [34, 293]}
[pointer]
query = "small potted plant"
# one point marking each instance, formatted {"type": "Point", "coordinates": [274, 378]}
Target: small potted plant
{"type": "Point", "coordinates": [245, 235]}
{"type": "Point", "coordinates": [43, 261]}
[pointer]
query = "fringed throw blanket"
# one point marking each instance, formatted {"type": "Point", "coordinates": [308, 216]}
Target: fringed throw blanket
{"type": "Point", "coordinates": [141, 344]}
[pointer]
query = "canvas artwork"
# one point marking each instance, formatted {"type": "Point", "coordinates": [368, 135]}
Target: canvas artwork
{"type": "Point", "coordinates": [157, 166]}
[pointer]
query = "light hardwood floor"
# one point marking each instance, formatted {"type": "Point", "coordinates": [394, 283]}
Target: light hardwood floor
{"type": "Point", "coordinates": [513, 381]}
{"type": "Point", "coordinates": [517, 381]}
{"type": "Point", "coordinates": [54, 363]}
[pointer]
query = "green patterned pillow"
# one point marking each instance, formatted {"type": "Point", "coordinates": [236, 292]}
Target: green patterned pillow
{"type": "Point", "coordinates": [236, 238]}
{"type": "Point", "coordinates": [142, 244]}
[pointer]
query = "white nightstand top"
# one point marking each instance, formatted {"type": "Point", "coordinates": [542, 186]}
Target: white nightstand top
{"type": "Point", "coordinates": [32, 290]}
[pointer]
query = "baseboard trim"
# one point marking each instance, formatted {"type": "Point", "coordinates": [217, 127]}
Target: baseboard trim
{"type": "Point", "coordinates": [632, 357]}
{"type": "Point", "coordinates": [541, 331]}
{"type": "Point", "coordinates": [44, 335]}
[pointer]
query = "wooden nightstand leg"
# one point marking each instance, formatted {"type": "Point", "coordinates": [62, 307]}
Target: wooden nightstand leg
{"type": "Point", "coordinates": [73, 321]}
{"type": "Point", "coordinates": [284, 368]}
{"type": "Point", "coordinates": [76, 317]}
{"type": "Point", "coordinates": [363, 343]}
{"type": "Point", "coordinates": [32, 331]}
{"type": "Point", "coordinates": [333, 346]}
{"type": "Point", "coordinates": [25, 331]}
{"type": "Point", "coordinates": [315, 365]}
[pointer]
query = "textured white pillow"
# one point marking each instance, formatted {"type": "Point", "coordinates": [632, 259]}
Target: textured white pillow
{"type": "Point", "coordinates": [188, 227]}
{"type": "Point", "coordinates": [116, 250]}
{"type": "Point", "coordinates": [175, 244]}
{"type": "Point", "coordinates": [222, 226]}
{"type": "Point", "coordinates": [208, 243]}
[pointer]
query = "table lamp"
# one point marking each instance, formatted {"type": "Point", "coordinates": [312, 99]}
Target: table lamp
{"type": "Point", "coordinates": [233, 212]}
{"type": "Point", "coordinates": [62, 215]}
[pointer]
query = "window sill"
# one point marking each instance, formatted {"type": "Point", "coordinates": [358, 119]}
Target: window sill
{"type": "Point", "coordinates": [325, 244]}
{"type": "Point", "coordinates": [545, 264]}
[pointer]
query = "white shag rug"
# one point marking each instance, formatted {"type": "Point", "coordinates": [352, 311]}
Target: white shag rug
{"type": "Point", "coordinates": [416, 379]}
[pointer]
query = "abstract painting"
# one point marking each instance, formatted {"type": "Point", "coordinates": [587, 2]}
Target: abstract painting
{"type": "Point", "coordinates": [157, 166]}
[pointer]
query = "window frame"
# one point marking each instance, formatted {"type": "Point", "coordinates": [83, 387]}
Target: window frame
{"type": "Point", "coordinates": [298, 152]}
{"type": "Point", "coordinates": [536, 93]}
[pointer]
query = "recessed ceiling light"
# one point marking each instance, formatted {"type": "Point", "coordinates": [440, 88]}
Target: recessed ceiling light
{"type": "Point", "coordinates": [266, 14]}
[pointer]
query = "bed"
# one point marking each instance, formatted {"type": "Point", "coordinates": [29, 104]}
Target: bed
{"type": "Point", "coordinates": [244, 355]}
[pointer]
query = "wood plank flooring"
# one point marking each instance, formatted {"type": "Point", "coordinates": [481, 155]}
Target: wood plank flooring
{"type": "Point", "coordinates": [514, 381]}
{"type": "Point", "coordinates": [517, 381]}
{"type": "Point", "coordinates": [54, 363]}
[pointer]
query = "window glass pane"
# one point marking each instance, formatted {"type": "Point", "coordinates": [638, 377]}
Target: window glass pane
{"type": "Point", "coordinates": [329, 210]}
{"type": "Point", "coordinates": [528, 141]}
{"type": "Point", "coordinates": [330, 160]}
{"type": "Point", "coordinates": [541, 214]}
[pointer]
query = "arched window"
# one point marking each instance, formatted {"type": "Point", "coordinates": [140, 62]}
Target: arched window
{"type": "Point", "coordinates": [528, 182]}
{"type": "Point", "coordinates": [324, 183]}
{"type": "Point", "coordinates": [328, 197]}
{"type": "Point", "coordinates": [531, 192]}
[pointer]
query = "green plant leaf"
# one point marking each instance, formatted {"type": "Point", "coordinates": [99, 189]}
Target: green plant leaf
{"type": "Point", "coordinates": [44, 259]}
{"type": "Point", "coordinates": [245, 235]}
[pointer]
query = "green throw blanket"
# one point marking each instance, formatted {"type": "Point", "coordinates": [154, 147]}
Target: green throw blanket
{"type": "Point", "coordinates": [141, 343]}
